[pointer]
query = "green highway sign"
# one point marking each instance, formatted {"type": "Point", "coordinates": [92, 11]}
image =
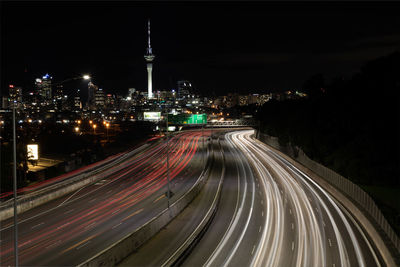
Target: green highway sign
{"type": "Point", "coordinates": [187, 119]}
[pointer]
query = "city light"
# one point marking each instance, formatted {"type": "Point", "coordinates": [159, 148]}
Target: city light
{"type": "Point", "coordinates": [90, 122]}
{"type": "Point", "coordinates": [86, 77]}
{"type": "Point", "coordinates": [33, 152]}
{"type": "Point", "coordinates": [76, 129]}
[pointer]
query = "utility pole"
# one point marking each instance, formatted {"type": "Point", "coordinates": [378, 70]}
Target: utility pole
{"type": "Point", "coordinates": [168, 192]}
{"type": "Point", "coordinates": [202, 137]}
{"type": "Point", "coordinates": [15, 191]}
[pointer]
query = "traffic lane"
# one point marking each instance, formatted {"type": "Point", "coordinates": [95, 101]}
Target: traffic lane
{"type": "Point", "coordinates": [340, 249]}
{"type": "Point", "coordinates": [49, 206]}
{"type": "Point", "coordinates": [224, 236]}
{"type": "Point", "coordinates": [161, 247]}
{"type": "Point", "coordinates": [62, 225]}
{"type": "Point", "coordinates": [102, 192]}
{"type": "Point", "coordinates": [241, 236]}
{"type": "Point", "coordinates": [225, 211]}
{"type": "Point", "coordinates": [360, 250]}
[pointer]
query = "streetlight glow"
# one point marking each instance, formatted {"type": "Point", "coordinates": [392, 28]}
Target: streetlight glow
{"type": "Point", "coordinates": [86, 77]}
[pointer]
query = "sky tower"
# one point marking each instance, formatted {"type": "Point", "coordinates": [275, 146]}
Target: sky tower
{"type": "Point", "coordinates": [149, 59]}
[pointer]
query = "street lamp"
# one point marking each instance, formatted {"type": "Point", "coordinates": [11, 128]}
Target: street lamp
{"type": "Point", "coordinates": [94, 128]}
{"type": "Point", "coordinates": [107, 125]}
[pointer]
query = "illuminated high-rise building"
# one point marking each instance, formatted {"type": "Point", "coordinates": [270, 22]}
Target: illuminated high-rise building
{"type": "Point", "coordinates": [15, 94]}
{"type": "Point", "coordinates": [92, 90]}
{"type": "Point", "coordinates": [149, 57]}
{"type": "Point", "coordinates": [46, 87]}
{"type": "Point", "coordinates": [184, 89]}
{"type": "Point", "coordinates": [99, 98]}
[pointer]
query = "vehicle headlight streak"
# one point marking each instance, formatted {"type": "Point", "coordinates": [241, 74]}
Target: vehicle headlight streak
{"type": "Point", "coordinates": [311, 247]}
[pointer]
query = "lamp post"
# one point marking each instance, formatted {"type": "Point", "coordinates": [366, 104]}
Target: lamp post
{"type": "Point", "coordinates": [107, 125]}
{"type": "Point", "coordinates": [15, 191]}
{"type": "Point", "coordinates": [202, 137]}
{"type": "Point", "coordinates": [168, 192]}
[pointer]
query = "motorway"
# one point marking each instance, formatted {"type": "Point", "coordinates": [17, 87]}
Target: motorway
{"type": "Point", "coordinates": [269, 212]}
{"type": "Point", "coordinates": [73, 228]}
{"type": "Point", "coordinates": [272, 214]}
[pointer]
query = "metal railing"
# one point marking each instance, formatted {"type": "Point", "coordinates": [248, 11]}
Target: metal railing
{"type": "Point", "coordinates": [353, 191]}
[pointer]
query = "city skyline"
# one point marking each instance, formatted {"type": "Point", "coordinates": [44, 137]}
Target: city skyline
{"type": "Point", "coordinates": [220, 47]}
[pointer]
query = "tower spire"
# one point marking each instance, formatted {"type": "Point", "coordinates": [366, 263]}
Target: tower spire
{"type": "Point", "coordinates": [149, 57]}
{"type": "Point", "coordinates": [149, 50]}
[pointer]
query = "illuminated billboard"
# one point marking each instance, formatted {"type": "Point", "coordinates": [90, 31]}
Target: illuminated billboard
{"type": "Point", "coordinates": [151, 116]}
{"type": "Point", "coordinates": [33, 152]}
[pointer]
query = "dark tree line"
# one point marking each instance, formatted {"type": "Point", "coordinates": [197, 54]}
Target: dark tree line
{"type": "Point", "coordinates": [350, 126]}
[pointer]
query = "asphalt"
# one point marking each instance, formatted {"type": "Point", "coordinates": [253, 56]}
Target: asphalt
{"type": "Point", "coordinates": [162, 246]}
{"type": "Point", "coordinates": [67, 231]}
{"type": "Point", "coordinates": [286, 220]}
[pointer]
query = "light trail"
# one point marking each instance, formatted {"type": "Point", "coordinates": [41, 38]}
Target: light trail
{"type": "Point", "coordinates": [145, 175]}
{"type": "Point", "coordinates": [317, 217]}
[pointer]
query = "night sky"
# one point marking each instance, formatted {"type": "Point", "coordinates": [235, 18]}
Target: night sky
{"type": "Point", "coordinates": [219, 47]}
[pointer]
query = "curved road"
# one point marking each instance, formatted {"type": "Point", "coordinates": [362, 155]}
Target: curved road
{"type": "Point", "coordinates": [272, 214]}
{"type": "Point", "coordinates": [71, 229]}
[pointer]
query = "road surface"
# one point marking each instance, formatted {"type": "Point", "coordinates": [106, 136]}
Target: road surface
{"type": "Point", "coordinates": [272, 214]}
{"type": "Point", "coordinates": [71, 229]}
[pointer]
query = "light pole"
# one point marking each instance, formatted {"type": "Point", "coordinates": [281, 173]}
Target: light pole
{"type": "Point", "coordinates": [168, 192]}
{"type": "Point", "coordinates": [15, 191]}
{"type": "Point", "coordinates": [202, 137]}
{"type": "Point", "coordinates": [107, 125]}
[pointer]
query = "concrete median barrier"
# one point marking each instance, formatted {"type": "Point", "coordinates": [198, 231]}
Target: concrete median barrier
{"type": "Point", "coordinates": [116, 252]}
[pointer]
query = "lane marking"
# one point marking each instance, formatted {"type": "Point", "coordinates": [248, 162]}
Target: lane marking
{"type": "Point", "coordinates": [37, 225]}
{"type": "Point", "coordinates": [79, 243]}
{"type": "Point", "coordinates": [81, 246]}
{"type": "Point", "coordinates": [160, 197]}
{"type": "Point", "coordinates": [115, 226]}
{"type": "Point", "coordinates": [329, 241]}
{"type": "Point", "coordinates": [262, 214]}
{"type": "Point", "coordinates": [259, 229]}
{"type": "Point", "coordinates": [292, 226]}
{"type": "Point", "coordinates": [252, 251]}
{"type": "Point", "coordinates": [115, 211]}
{"type": "Point", "coordinates": [69, 211]}
{"type": "Point", "coordinates": [133, 214]}
{"type": "Point", "coordinates": [52, 245]}
{"type": "Point", "coordinates": [290, 211]}
{"type": "Point", "coordinates": [93, 223]}
{"type": "Point", "coordinates": [62, 226]}
{"type": "Point", "coordinates": [92, 200]}
{"type": "Point", "coordinates": [292, 245]}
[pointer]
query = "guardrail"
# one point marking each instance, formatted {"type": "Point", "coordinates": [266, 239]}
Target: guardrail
{"type": "Point", "coordinates": [351, 190]}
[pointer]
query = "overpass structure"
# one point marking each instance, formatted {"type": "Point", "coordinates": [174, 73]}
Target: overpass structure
{"type": "Point", "coordinates": [233, 123]}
